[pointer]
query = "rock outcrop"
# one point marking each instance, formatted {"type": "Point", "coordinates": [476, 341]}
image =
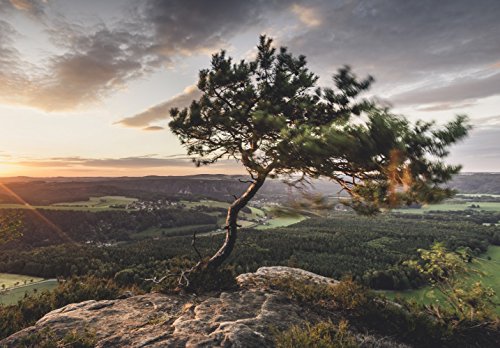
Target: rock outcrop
{"type": "Point", "coordinates": [245, 317]}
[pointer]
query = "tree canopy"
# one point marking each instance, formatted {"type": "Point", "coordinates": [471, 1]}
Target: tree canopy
{"type": "Point", "coordinates": [10, 225]}
{"type": "Point", "coordinates": [269, 114]}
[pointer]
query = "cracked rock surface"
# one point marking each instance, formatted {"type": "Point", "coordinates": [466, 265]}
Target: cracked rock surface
{"type": "Point", "coordinates": [245, 317]}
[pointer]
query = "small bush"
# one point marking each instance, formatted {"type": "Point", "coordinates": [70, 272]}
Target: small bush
{"type": "Point", "coordinates": [407, 322]}
{"type": "Point", "coordinates": [346, 295]}
{"type": "Point", "coordinates": [322, 335]}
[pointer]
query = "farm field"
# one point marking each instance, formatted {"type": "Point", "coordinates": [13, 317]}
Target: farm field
{"type": "Point", "coordinates": [8, 280]}
{"type": "Point", "coordinates": [11, 296]}
{"type": "Point", "coordinates": [281, 221]}
{"type": "Point", "coordinates": [479, 195]}
{"type": "Point", "coordinates": [453, 206]}
{"type": "Point", "coordinates": [94, 204]}
{"type": "Point", "coordinates": [99, 202]}
{"type": "Point", "coordinates": [491, 278]}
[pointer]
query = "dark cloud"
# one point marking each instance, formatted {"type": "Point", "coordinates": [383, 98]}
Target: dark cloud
{"type": "Point", "coordinates": [95, 65]}
{"type": "Point", "coordinates": [161, 111]}
{"type": "Point", "coordinates": [191, 26]}
{"type": "Point", "coordinates": [153, 128]}
{"type": "Point", "coordinates": [403, 41]}
{"type": "Point", "coordinates": [409, 42]}
{"type": "Point", "coordinates": [100, 60]}
{"type": "Point", "coordinates": [12, 79]}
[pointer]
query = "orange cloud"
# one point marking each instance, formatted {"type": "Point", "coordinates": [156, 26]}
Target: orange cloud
{"type": "Point", "coordinates": [307, 16]}
{"type": "Point", "coordinates": [161, 111]}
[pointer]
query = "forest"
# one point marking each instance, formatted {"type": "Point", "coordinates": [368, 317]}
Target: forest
{"type": "Point", "coordinates": [106, 226]}
{"type": "Point", "coordinates": [370, 249]}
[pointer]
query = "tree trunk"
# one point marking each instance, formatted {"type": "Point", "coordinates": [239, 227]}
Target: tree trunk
{"type": "Point", "coordinates": [231, 225]}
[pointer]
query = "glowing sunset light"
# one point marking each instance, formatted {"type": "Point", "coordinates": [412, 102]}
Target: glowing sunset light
{"type": "Point", "coordinates": [86, 86]}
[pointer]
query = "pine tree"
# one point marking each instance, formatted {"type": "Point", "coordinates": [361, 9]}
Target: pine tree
{"type": "Point", "coordinates": [269, 114]}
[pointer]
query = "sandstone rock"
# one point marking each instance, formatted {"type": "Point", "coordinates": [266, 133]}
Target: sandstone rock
{"type": "Point", "coordinates": [246, 317]}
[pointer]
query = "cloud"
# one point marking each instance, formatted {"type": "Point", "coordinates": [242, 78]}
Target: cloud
{"type": "Point", "coordinates": [487, 122]}
{"type": "Point", "coordinates": [479, 152]}
{"type": "Point", "coordinates": [96, 64]}
{"type": "Point", "coordinates": [28, 5]}
{"type": "Point", "coordinates": [133, 162]}
{"type": "Point", "coordinates": [161, 111]}
{"type": "Point", "coordinates": [125, 162]}
{"type": "Point", "coordinates": [99, 60]}
{"type": "Point", "coordinates": [36, 8]}
{"type": "Point", "coordinates": [402, 42]}
{"type": "Point", "coordinates": [307, 16]}
{"type": "Point", "coordinates": [445, 106]}
{"type": "Point", "coordinates": [190, 26]}
{"type": "Point", "coordinates": [459, 92]}
{"type": "Point", "coordinates": [153, 128]}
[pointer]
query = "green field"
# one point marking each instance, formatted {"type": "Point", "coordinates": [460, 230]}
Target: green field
{"type": "Point", "coordinates": [13, 287]}
{"type": "Point", "coordinates": [93, 204]}
{"type": "Point", "coordinates": [11, 280]}
{"type": "Point", "coordinates": [11, 296]}
{"type": "Point", "coordinates": [206, 203]}
{"type": "Point", "coordinates": [491, 278]}
{"type": "Point", "coordinates": [281, 221]}
{"type": "Point", "coordinates": [478, 195]}
{"type": "Point", "coordinates": [105, 202]}
{"type": "Point", "coordinates": [452, 206]}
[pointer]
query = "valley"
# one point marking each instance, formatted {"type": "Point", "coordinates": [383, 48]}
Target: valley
{"type": "Point", "coordinates": [125, 238]}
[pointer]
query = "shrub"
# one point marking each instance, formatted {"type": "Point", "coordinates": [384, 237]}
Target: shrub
{"type": "Point", "coordinates": [321, 335]}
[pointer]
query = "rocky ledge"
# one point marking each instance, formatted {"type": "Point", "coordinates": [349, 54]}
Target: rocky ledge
{"type": "Point", "coordinates": [246, 317]}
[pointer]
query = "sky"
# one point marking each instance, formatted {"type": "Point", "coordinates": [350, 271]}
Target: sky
{"type": "Point", "coordinates": [86, 85]}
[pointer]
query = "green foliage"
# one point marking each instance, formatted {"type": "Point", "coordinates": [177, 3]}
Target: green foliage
{"type": "Point", "coordinates": [369, 248]}
{"type": "Point", "coordinates": [10, 227]}
{"type": "Point", "coordinates": [269, 114]}
{"type": "Point", "coordinates": [321, 335]}
{"type": "Point", "coordinates": [368, 312]}
{"type": "Point", "coordinates": [346, 295]}
{"type": "Point", "coordinates": [448, 272]}
{"type": "Point", "coordinates": [82, 226]}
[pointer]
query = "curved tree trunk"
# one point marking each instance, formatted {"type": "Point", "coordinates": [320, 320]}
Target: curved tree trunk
{"type": "Point", "coordinates": [231, 225]}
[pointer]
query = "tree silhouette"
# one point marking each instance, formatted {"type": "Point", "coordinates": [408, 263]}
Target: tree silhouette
{"type": "Point", "coordinates": [269, 115]}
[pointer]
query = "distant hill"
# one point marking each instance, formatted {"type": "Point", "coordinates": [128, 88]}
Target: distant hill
{"type": "Point", "coordinates": [477, 183]}
{"type": "Point", "coordinates": [44, 191]}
